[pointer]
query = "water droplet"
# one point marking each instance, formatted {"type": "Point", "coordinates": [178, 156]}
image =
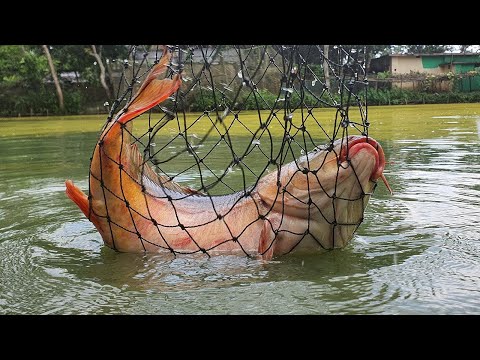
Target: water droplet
{"type": "Point", "coordinates": [153, 144]}
{"type": "Point", "coordinates": [106, 103]}
{"type": "Point", "coordinates": [302, 152]}
{"type": "Point", "coordinates": [314, 81]}
{"type": "Point", "coordinates": [225, 86]}
{"type": "Point", "coordinates": [289, 90]}
{"type": "Point", "coordinates": [240, 75]}
{"type": "Point", "coordinates": [280, 99]}
{"type": "Point", "coordinates": [225, 113]}
{"type": "Point", "coordinates": [186, 78]}
{"type": "Point", "coordinates": [256, 142]}
{"type": "Point", "coordinates": [95, 63]}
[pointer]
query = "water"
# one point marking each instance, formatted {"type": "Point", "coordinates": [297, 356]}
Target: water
{"type": "Point", "coordinates": [417, 252]}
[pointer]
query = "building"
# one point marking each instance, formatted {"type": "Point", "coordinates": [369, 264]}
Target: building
{"type": "Point", "coordinates": [405, 66]}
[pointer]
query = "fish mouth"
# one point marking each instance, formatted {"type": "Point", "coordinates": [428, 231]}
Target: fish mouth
{"type": "Point", "coordinates": [356, 144]}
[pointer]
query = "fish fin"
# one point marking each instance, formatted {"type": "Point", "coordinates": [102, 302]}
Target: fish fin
{"type": "Point", "coordinates": [160, 180]}
{"type": "Point", "coordinates": [265, 245]}
{"type": "Point", "coordinates": [78, 197]}
{"type": "Point", "coordinates": [164, 182]}
{"type": "Point", "coordinates": [152, 92]}
{"type": "Point", "coordinates": [172, 185]}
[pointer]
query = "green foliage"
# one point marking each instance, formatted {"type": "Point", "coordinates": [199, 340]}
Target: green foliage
{"type": "Point", "coordinates": [261, 99]}
{"type": "Point", "coordinates": [397, 96]}
{"type": "Point", "coordinates": [22, 66]}
{"type": "Point", "coordinates": [25, 86]}
{"type": "Point", "coordinates": [265, 99]}
{"type": "Point", "coordinates": [384, 75]}
{"type": "Point", "coordinates": [427, 49]}
{"type": "Point", "coordinates": [317, 69]}
{"type": "Point", "coordinates": [74, 102]}
{"type": "Point", "coordinates": [201, 101]}
{"type": "Point", "coordinates": [41, 102]}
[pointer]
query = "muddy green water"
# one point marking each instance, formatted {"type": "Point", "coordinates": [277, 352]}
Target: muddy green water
{"type": "Point", "coordinates": [417, 251]}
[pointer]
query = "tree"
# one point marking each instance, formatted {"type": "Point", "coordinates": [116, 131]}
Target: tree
{"type": "Point", "coordinates": [464, 48]}
{"type": "Point", "coordinates": [427, 49]}
{"type": "Point", "coordinates": [98, 57]}
{"type": "Point", "coordinates": [22, 66]}
{"type": "Point", "coordinates": [372, 51]}
{"type": "Point", "coordinates": [326, 71]}
{"type": "Point", "coordinates": [111, 53]}
{"type": "Point", "coordinates": [54, 77]}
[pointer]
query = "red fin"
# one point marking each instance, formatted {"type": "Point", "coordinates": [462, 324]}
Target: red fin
{"type": "Point", "coordinates": [152, 92]}
{"type": "Point", "coordinates": [78, 197]}
{"type": "Point", "coordinates": [265, 245]}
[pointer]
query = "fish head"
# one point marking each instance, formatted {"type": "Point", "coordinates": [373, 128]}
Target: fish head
{"type": "Point", "coordinates": [326, 192]}
{"type": "Point", "coordinates": [350, 165]}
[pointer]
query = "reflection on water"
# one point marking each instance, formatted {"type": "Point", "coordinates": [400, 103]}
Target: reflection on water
{"type": "Point", "coordinates": [417, 252]}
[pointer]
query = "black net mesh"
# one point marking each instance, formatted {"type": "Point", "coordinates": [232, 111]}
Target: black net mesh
{"type": "Point", "coordinates": [225, 162]}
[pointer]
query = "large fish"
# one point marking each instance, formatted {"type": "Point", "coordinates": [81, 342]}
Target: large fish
{"type": "Point", "coordinates": [315, 202]}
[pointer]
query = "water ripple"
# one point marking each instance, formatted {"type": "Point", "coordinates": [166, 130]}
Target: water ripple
{"type": "Point", "coordinates": [417, 251]}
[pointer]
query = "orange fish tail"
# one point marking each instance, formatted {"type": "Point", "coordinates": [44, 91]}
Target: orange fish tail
{"type": "Point", "coordinates": [153, 90]}
{"type": "Point", "coordinates": [78, 197]}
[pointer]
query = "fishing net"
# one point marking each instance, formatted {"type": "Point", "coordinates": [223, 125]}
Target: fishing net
{"type": "Point", "coordinates": [241, 113]}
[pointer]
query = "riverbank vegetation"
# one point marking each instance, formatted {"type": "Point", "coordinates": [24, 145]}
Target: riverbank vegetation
{"type": "Point", "coordinates": [82, 79]}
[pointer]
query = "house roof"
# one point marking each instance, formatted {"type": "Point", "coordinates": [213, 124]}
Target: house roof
{"type": "Point", "coordinates": [435, 54]}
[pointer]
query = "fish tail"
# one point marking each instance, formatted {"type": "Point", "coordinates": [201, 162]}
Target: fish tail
{"type": "Point", "coordinates": [78, 197]}
{"type": "Point", "coordinates": [152, 92]}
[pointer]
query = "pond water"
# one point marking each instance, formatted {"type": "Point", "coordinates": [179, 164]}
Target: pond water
{"type": "Point", "coordinates": [417, 252]}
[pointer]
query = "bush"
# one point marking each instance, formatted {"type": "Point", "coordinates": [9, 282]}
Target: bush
{"type": "Point", "coordinates": [74, 102]}
{"type": "Point", "coordinates": [397, 96]}
{"type": "Point", "coordinates": [201, 100]}
{"type": "Point", "coordinates": [265, 99]}
{"type": "Point", "coordinates": [42, 101]}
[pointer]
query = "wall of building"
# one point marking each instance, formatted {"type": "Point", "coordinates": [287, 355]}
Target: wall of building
{"type": "Point", "coordinates": [407, 64]}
